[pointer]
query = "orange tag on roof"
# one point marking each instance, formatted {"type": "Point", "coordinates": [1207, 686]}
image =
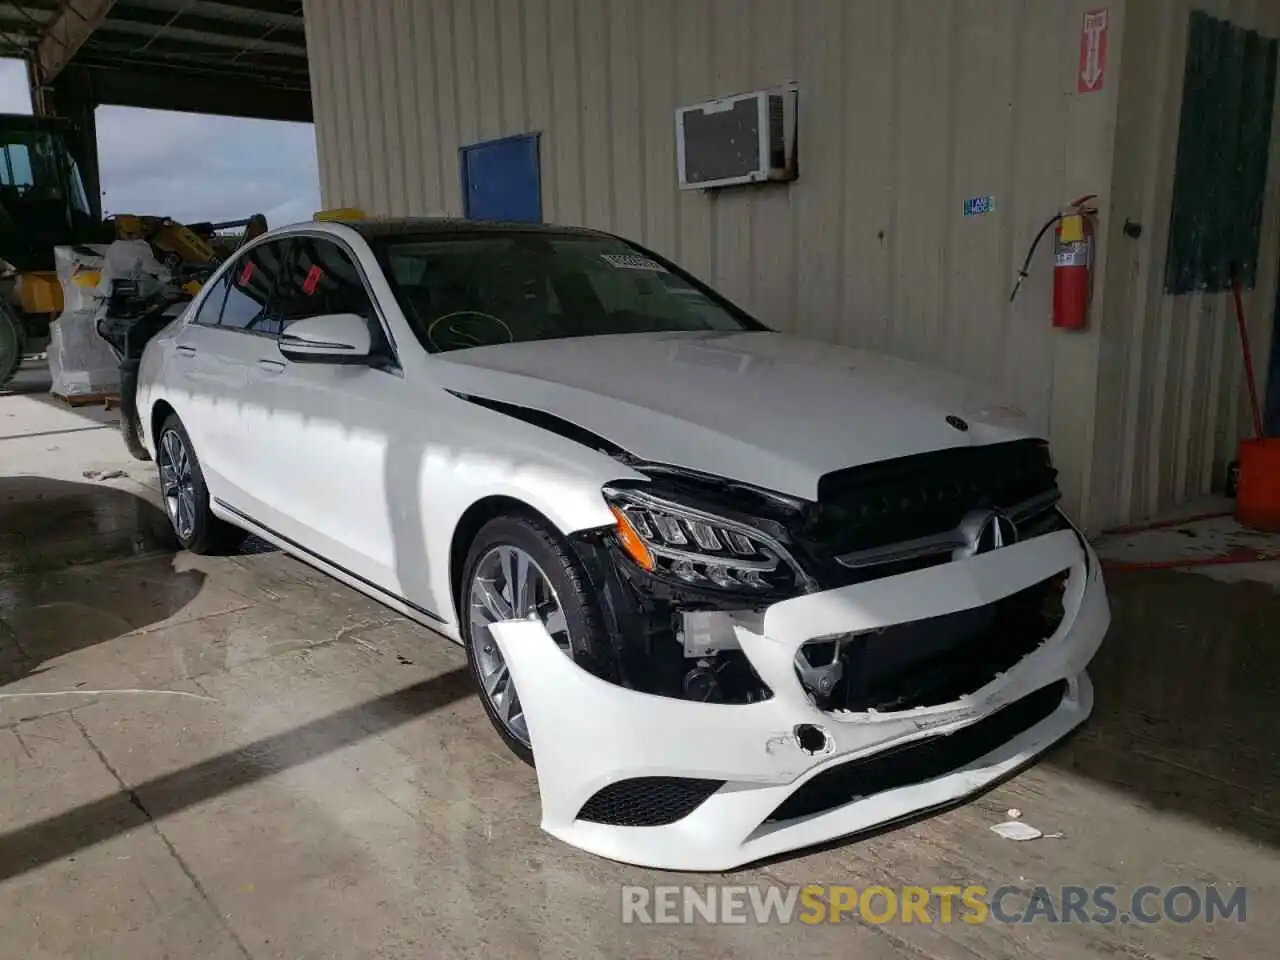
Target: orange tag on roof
{"type": "Point", "coordinates": [246, 274]}
{"type": "Point", "coordinates": [312, 281]}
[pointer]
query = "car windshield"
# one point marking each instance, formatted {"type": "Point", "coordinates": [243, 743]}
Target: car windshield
{"type": "Point", "coordinates": [482, 289]}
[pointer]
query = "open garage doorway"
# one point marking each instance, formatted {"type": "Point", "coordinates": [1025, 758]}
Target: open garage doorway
{"type": "Point", "coordinates": [218, 174]}
{"type": "Point", "coordinates": [194, 167]}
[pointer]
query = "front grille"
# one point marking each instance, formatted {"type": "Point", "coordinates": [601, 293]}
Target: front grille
{"type": "Point", "coordinates": [920, 761]}
{"type": "Point", "coordinates": [647, 801]}
{"type": "Point", "coordinates": [918, 496]}
{"type": "Point", "coordinates": [939, 659]}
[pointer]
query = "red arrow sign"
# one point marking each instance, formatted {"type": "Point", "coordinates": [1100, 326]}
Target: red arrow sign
{"type": "Point", "coordinates": [1093, 52]}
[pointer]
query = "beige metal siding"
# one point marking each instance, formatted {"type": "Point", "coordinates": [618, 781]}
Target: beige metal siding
{"type": "Point", "coordinates": [907, 108]}
{"type": "Point", "coordinates": [1171, 405]}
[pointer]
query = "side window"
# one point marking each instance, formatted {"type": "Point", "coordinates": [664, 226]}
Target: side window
{"type": "Point", "coordinates": [79, 199]}
{"type": "Point", "coordinates": [251, 280]}
{"type": "Point", "coordinates": [321, 279]}
{"type": "Point", "coordinates": [15, 166]}
{"type": "Point", "coordinates": [211, 305]}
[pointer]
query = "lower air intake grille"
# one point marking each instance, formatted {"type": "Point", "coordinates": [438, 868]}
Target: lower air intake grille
{"type": "Point", "coordinates": [919, 761]}
{"type": "Point", "coordinates": [647, 801]}
{"type": "Point", "coordinates": [928, 662]}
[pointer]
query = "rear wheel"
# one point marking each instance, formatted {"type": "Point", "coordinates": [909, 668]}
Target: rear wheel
{"type": "Point", "coordinates": [520, 569]}
{"type": "Point", "coordinates": [13, 343]}
{"type": "Point", "coordinates": [186, 498]}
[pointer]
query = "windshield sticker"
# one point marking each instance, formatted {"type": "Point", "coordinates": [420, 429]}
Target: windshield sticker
{"type": "Point", "coordinates": [631, 261]}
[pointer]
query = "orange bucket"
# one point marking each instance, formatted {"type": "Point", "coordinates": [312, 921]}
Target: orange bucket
{"type": "Point", "coordinates": [1258, 487]}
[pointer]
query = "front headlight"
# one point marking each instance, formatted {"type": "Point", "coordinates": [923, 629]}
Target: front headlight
{"type": "Point", "coordinates": [692, 546]}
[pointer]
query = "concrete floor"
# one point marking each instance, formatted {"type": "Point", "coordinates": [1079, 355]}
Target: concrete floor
{"type": "Point", "coordinates": [238, 757]}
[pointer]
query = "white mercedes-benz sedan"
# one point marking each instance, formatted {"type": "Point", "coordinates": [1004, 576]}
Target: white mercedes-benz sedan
{"type": "Point", "coordinates": [734, 592]}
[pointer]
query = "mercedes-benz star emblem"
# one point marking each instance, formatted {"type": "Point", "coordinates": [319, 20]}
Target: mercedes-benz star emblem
{"type": "Point", "coordinates": [984, 531]}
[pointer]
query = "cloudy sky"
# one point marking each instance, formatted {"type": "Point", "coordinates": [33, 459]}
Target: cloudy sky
{"type": "Point", "coordinates": [194, 167]}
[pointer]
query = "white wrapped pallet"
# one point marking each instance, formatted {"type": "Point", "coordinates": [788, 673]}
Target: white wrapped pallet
{"type": "Point", "coordinates": [80, 361]}
{"type": "Point", "coordinates": [79, 271]}
{"type": "Point", "coordinates": [134, 261]}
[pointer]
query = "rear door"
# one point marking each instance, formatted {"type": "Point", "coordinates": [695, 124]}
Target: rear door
{"type": "Point", "coordinates": [323, 464]}
{"type": "Point", "coordinates": [192, 386]}
{"type": "Point", "coordinates": [224, 352]}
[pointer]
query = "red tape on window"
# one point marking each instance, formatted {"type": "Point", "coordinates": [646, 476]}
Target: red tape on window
{"type": "Point", "coordinates": [313, 280]}
{"type": "Point", "coordinates": [246, 274]}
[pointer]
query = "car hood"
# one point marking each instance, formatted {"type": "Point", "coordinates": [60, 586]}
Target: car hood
{"type": "Point", "coordinates": [758, 407]}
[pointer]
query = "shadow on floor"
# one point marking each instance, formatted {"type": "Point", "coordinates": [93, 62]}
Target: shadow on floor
{"type": "Point", "coordinates": [58, 593]}
{"type": "Point", "coordinates": [66, 833]}
{"type": "Point", "coordinates": [34, 382]}
{"type": "Point", "coordinates": [1186, 699]}
{"type": "Point", "coordinates": [31, 379]}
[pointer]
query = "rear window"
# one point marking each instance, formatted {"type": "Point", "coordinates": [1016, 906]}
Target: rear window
{"type": "Point", "coordinates": [461, 291]}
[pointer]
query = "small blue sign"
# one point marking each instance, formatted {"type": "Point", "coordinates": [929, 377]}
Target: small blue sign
{"type": "Point", "coordinates": [976, 206]}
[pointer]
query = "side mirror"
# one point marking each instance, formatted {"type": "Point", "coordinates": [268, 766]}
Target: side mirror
{"type": "Point", "coordinates": [328, 338]}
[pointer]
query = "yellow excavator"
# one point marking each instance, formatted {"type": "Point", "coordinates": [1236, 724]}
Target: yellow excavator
{"type": "Point", "coordinates": [43, 205]}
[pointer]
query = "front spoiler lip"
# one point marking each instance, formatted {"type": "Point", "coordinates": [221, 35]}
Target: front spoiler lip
{"type": "Point", "coordinates": [588, 733]}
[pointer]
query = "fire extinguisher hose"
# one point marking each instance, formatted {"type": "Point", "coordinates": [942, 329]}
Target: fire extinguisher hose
{"type": "Point", "coordinates": [1025, 271]}
{"type": "Point", "coordinates": [1031, 251]}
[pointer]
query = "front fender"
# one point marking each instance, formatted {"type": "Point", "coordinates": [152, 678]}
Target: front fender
{"type": "Point", "coordinates": [555, 476]}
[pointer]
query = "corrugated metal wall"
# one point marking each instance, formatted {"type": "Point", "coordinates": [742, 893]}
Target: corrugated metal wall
{"type": "Point", "coordinates": [907, 108]}
{"type": "Point", "coordinates": [1172, 403]}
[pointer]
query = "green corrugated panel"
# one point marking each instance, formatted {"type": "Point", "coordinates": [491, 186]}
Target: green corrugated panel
{"type": "Point", "coordinates": [1224, 136]}
{"type": "Point", "coordinates": [1185, 226]}
{"type": "Point", "coordinates": [1255, 146]}
{"type": "Point", "coordinates": [1225, 196]}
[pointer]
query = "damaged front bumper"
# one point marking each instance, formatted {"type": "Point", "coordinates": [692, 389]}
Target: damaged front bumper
{"type": "Point", "coordinates": [703, 786]}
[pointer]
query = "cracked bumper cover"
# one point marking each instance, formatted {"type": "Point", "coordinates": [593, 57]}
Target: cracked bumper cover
{"type": "Point", "coordinates": [588, 733]}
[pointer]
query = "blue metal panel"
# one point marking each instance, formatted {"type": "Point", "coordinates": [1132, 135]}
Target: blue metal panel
{"type": "Point", "coordinates": [501, 179]}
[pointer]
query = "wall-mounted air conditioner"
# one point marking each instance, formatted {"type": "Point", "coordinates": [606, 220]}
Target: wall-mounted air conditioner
{"type": "Point", "coordinates": [746, 138]}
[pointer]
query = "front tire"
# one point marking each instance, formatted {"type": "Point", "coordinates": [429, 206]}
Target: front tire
{"type": "Point", "coordinates": [520, 568]}
{"type": "Point", "coordinates": [13, 343]}
{"type": "Point", "coordinates": [186, 497]}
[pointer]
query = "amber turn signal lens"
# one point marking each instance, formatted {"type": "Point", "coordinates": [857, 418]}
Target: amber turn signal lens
{"type": "Point", "coordinates": [631, 541]}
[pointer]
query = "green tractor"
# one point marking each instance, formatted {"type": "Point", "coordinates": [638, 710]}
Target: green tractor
{"type": "Point", "coordinates": [43, 204]}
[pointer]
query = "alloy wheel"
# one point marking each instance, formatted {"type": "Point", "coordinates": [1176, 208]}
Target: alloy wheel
{"type": "Point", "coordinates": [177, 484]}
{"type": "Point", "coordinates": [508, 584]}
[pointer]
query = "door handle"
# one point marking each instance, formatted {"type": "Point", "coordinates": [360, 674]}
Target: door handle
{"type": "Point", "coordinates": [271, 366]}
{"type": "Point", "coordinates": [185, 350]}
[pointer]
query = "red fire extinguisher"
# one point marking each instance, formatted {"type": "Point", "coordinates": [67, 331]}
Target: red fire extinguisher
{"type": "Point", "coordinates": [1072, 265]}
{"type": "Point", "coordinates": [1073, 241]}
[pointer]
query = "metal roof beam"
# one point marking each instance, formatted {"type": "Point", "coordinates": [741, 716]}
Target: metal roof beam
{"type": "Point", "coordinates": [264, 66]}
{"type": "Point", "coordinates": [231, 12]}
{"type": "Point", "coordinates": [158, 34]}
{"type": "Point", "coordinates": [194, 18]}
{"type": "Point", "coordinates": [65, 33]}
{"type": "Point", "coordinates": [160, 87]}
{"type": "Point", "coordinates": [34, 13]}
{"type": "Point", "coordinates": [23, 18]}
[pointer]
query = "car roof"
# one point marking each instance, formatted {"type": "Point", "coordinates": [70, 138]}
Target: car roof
{"type": "Point", "coordinates": [378, 228]}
